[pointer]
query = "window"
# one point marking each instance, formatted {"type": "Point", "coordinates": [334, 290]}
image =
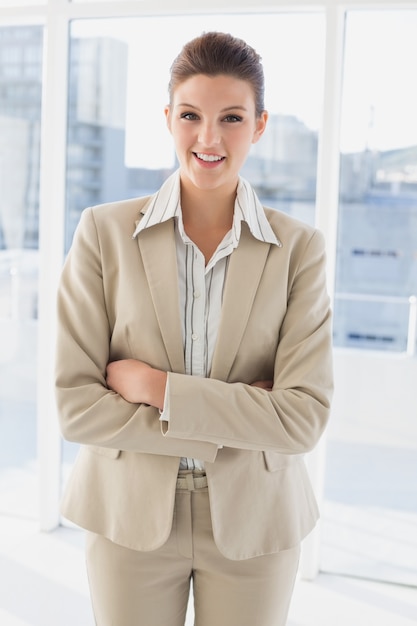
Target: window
{"type": "Point", "coordinates": [377, 244]}
{"type": "Point", "coordinates": [370, 513]}
{"type": "Point", "coordinates": [20, 113]}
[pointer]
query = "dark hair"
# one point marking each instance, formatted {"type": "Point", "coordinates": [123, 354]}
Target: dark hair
{"type": "Point", "coordinates": [215, 53]}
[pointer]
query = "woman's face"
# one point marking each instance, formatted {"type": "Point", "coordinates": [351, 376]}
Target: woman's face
{"type": "Point", "coordinates": [213, 123]}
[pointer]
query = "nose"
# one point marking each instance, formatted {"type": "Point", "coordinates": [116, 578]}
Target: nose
{"type": "Point", "coordinates": [209, 134]}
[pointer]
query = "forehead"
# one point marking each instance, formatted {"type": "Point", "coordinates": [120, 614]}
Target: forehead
{"type": "Point", "coordinates": [221, 88]}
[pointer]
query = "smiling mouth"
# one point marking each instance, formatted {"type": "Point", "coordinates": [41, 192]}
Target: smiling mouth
{"type": "Point", "coordinates": [209, 158]}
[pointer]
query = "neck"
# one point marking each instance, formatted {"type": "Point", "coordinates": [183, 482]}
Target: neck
{"type": "Point", "coordinates": [207, 216]}
{"type": "Point", "coordinates": [208, 209]}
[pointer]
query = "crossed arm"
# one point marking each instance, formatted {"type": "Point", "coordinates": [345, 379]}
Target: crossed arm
{"type": "Point", "coordinates": [138, 382]}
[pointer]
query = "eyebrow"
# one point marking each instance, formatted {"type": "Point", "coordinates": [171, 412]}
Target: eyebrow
{"type": "Point", "coordinates": [231, 108]}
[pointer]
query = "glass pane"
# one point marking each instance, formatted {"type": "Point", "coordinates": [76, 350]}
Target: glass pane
{"type": "Point", "coordinates": [377, 241]}
{"type": "Point", "coordinates": [20, 115]}
{"type": "Point", "coordinates": [370, 513]}
{"type": "Point", "coordinates": [118, 143]}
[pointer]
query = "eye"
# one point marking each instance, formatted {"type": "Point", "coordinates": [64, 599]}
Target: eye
{"type": "Point", "coordinates": [233, 119]}
{"type": "Point", "coordinates": [189, 116]}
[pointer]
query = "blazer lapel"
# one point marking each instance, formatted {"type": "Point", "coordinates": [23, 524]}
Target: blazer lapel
{"type": "Point", "coordinates": [244, 273]}
{"type": "Point", "coordinates": [157, 246]}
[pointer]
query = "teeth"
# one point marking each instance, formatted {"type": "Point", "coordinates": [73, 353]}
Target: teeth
{"type": "Point", "coordinates": [209, 157]}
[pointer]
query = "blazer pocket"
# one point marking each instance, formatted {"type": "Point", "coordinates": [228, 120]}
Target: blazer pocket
{"type": "Point", "coordinates": [110, 453]}
{"type": "Point", "coordinates": [275, 461]}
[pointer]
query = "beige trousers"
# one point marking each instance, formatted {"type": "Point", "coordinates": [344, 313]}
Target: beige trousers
{"type": "Point", "coordinates": [131, 588]}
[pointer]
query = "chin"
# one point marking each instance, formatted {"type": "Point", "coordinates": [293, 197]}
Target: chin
{"type": "Point", "coordinates": [213, 180]}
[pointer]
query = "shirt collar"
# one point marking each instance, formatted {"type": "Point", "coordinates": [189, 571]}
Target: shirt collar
{"type": "Point", "coordinates": [162, 206]}
{"type": "Point", "coordinates": [252, 212]}
{"type": "Point", "coordinates": [165, 205]}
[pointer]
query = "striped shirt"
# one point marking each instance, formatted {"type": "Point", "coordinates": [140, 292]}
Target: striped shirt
{"type": "Point", "coordinates": [200, 285]}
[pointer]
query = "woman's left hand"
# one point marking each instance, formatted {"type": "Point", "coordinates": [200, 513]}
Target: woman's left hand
{"type": "Point", "coordinates": [263, 384]}
{"type": "Point", "coordinates": [137, 382]}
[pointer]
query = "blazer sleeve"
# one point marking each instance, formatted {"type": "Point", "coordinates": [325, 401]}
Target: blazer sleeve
{"type": "Point", "coordinates": [88, 412]}
{"type": "Point", "coordinates": [291, 418]}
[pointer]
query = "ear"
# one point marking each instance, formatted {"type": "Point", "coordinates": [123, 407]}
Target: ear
{"type": "Point", "coordinates": [167, 112]}
{"type": "Point", "coordinates": [260, 126]}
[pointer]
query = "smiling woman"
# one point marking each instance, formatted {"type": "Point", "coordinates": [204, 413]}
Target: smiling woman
{"type": "Point", "coordinates": [207, 377]}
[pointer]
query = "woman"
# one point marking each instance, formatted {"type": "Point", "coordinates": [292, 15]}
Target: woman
{"type": "Point", "coordinates": [194, 365]}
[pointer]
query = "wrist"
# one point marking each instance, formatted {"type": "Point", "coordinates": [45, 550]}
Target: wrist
{"type": "Point", "coordinates": [158, 380]}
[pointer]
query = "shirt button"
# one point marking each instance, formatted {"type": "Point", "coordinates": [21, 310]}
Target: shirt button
{"type": "Point", "coordinates": [194, 337]}
{"type": "Point", "coordinates": [196, 294]}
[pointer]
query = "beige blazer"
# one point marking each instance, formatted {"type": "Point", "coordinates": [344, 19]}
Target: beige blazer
{"type": "Point", "coordinates": [118, 298]}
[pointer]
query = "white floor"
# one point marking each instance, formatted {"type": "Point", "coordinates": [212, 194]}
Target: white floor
{"type": "Point", "coordinates": [43, 583]}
